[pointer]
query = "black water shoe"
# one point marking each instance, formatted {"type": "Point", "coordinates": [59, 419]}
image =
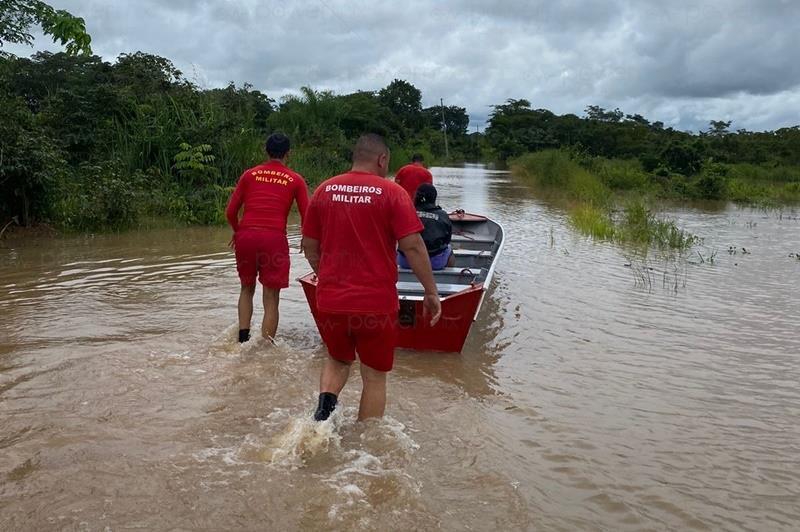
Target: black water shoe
{"type": "Point", "coordinates": [244, 335]}
{"type": "Point", "coordinates": [327, 402]}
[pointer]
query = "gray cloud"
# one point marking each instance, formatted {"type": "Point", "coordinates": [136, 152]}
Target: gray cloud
{"type": "Point", "coordinates": [681, 62]}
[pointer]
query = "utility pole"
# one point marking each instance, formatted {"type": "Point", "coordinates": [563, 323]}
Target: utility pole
{"type": "Point", "coordinates": [444, 129]}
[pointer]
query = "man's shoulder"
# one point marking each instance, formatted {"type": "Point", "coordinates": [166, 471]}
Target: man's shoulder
{"type": "Point", "coordinates": [357, 178]}
{"type": "Point", "coordinates": [295, 175]}
{"type": "Point", "coordinates": [394, 188]}
{"type": "Point", "coordinates": [280, 167]}
{"type": "Point", "coordinates": [337, 179]}
{"type": "Point", "coordinates": [260, 166]}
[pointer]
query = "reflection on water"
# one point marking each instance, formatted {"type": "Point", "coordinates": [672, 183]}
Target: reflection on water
{"type": "Point", "coordinates": [597, 390]}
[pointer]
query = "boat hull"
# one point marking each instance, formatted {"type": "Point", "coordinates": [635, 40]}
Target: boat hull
{"type": "Point", "coordinates": [477, 242]}
{"type": "Point", "coordinates": [415, 331]}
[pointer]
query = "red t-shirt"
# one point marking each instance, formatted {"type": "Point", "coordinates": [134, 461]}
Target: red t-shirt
{"type": "Point", "coordinates": [412, 176]}
{"type": "Point", "coordinates": [267, 192]}
{"type": "Point", "coordinates": [358, 218]}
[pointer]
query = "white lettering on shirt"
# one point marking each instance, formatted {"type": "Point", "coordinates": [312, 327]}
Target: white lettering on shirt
{"type": "Point", "coordinates": [344, 198]}
{"type": "Point", "coordinates": [354, 189]}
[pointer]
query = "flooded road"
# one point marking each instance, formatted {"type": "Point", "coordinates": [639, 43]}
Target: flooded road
{"type": "Point", "coordinates": [597, 390]}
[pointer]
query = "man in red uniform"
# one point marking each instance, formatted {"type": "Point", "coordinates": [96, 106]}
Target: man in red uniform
{"type": "Point", "coordinates": [413, 175]}
{"type": "Point", "coordinates": [267, 192]}
{"type": "Point", "coordinates": [353, 226]}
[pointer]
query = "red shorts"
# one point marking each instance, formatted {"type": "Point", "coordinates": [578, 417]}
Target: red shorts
{"type": "Point", "coordinates": [264, 254]}
{"type": "Point", "coordinates": [373, 336]}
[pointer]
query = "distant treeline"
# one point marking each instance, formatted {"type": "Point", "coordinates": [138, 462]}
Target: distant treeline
{"type": "Point", "coordinates": [515, 128]}
{"type": "Point", "coordinates": [88, 144]}
{"type": "Point", "coordinates": [628, 152]}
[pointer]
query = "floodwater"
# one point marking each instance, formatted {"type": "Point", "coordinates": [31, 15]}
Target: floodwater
{"type": "Point", "coordinates": [597, 390]}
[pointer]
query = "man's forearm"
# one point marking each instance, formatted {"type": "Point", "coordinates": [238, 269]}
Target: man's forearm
{"type": "Point", "coordinates": [312, 250]}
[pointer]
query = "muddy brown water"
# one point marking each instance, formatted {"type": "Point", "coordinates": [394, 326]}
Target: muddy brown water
{"type": "Point", "coordinates": [594, 392]}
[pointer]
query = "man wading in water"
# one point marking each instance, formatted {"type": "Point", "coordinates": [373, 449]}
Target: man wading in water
{"type": "Point", "coordinates": [353, 226]}
{"type": "Point", "coordinates": [412, 175]}
{"type": "Point", "coordinates": [259, 238]}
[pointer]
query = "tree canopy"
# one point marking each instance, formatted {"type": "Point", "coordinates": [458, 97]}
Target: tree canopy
{"type": "Point", "coordinates": [141, 139]}
{"type": "Point", "coordinates": [17, 17]}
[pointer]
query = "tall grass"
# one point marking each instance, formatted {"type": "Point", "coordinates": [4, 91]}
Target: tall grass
{"type": "Point", "coordinates": [555, 170]}
{"type": "Point", "coordinates": [619, 174]}
{"type": "Point", "coordinates": [764, 173]}
{"type": "Point", "coordinates": [592, 221]}
{"type": "Point", "coordinates": [591, 200]}
{"type": "Point", "coordinates": [318, 164]}
{"type": "Point", "coordinates": [640, 225]}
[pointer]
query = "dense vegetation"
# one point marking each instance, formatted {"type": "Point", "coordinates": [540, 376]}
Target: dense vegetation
{"type": "Point", "coordinates": [591, 193]}
{"type": "Point", "coordinates": [609, 167]}
{"type": "Point", "coordinates": [89, 144]}
{"type": "Point", "coordinates": [630, 153]}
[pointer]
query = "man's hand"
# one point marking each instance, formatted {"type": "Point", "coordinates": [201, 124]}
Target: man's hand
{"type": "Point", "coordinates": [232, 243]}
{"type": "Point", "coordinates": [417, 256]}
{"type": "Point", "coordinates": [432, 306]}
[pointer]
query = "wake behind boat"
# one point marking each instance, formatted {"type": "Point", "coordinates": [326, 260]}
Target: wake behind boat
{"type": "Point", "coordinates": [477, 243]}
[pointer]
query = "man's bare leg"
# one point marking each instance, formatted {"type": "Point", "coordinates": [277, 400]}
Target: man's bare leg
{"type": "Point", "coordinates": [373, 396]}
{"type": "Point", "coordinates": [333, 378]}
{"type": "Point", "coordinates": [245, 311]}
{"type": "Point", "coordinates": [451, 260]}
{"type": "Point", "coordinates": [272, 299]}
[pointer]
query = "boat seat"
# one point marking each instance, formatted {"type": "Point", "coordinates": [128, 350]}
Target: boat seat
{"type": "Point", "coordinates": [476, 239]}
{"type": "Point", "coordinates": [472, 252]}
{"type": "Point", "coordinates": [444, 288]}
{"type": "Point", "coordinates": [457, 271]}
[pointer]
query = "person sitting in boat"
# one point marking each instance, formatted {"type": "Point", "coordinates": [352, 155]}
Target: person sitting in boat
{"type": "Point", "coordinates": [437, 232]}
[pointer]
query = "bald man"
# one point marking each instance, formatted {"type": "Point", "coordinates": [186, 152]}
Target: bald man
{"type": "Point", "coordinates": [354, 224]}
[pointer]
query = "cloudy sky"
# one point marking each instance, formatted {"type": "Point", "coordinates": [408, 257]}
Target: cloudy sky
{"type": "Point", "coordinates": [681, 62]}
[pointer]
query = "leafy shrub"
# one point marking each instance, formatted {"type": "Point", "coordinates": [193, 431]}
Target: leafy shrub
{"type": "Point", "coordinates": [195, 165]}
{"type": "Point", "coordinates": [712, 183]}
{"type": "Point", "coordinates": [99, 196]}
{"type": "Point", "coordinates": [682, 157]}
{"type": "Point", "coordinates": [790, 192]}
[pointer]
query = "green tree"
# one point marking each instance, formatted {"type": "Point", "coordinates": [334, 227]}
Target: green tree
{"type": "Point", "coordinates": [404, 100]}
{"type": "Point", "coordinates": [313, 117]}
{"type": "Point", "coordinates": [364, 113]}
{"type": "Point", "coordinates": [18, 16]}
{"type": "Point", "coordinates": [595, 112]}
{"type": "Point", "coordinates": [455, 118]}
{"type": "Point", "coordinates": [682, 157]}
{"type": "Point", "coordinates": [30, 164]}
{"type": "Point", "coordinates": [718, 128]}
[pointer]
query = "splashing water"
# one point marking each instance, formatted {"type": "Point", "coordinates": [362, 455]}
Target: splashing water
{"type": "Point", "coordinates": [304, 438]}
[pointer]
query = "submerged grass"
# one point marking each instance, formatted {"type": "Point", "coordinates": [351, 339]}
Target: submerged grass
{"type": "Point", "coordinates": [640, 225]}
{"type": "Point", "coordinates": [592, 221]}
{"type": "Point", "coordinates": [589, 190]}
